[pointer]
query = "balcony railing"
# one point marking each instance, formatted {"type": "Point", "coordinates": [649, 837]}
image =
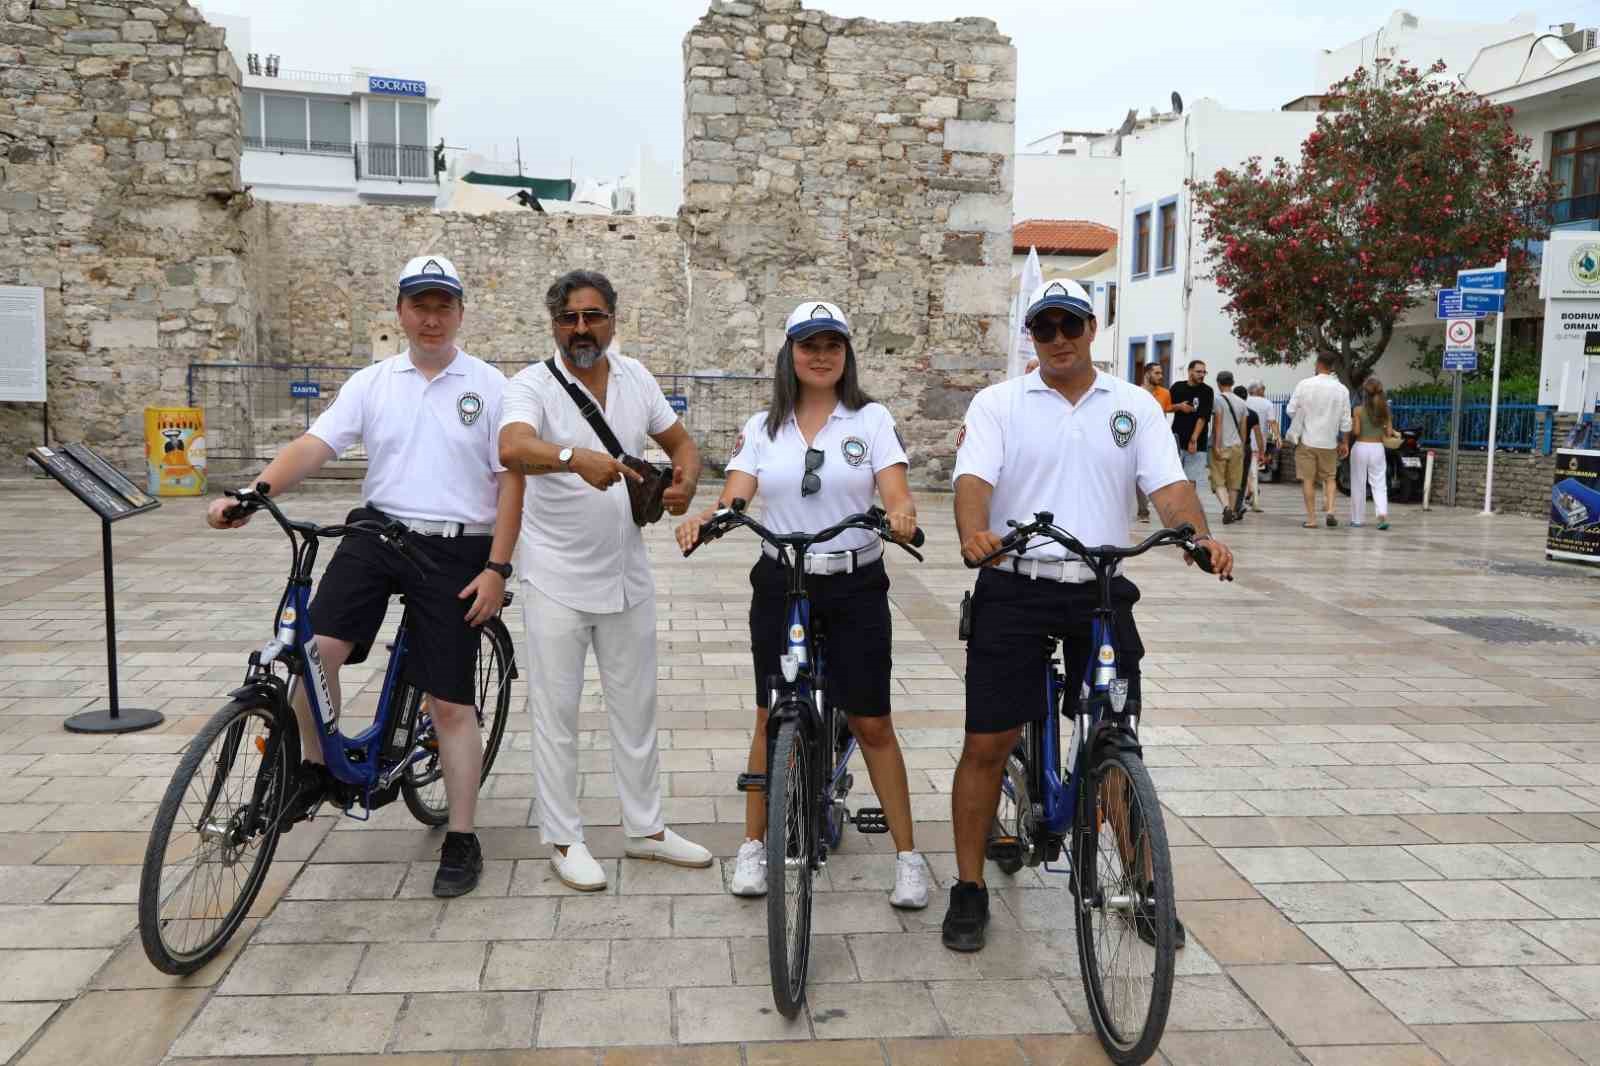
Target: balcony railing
{"type": "Point", "coordinates": [297, 147]}
{"type": "Point", "coordinates": [403, 163]}
{"type": "Point", "coordinates": [1577, 209]}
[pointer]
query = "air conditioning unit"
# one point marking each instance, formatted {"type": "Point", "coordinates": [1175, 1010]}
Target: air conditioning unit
{"type": "Point", "coordinates": [1582, 40]}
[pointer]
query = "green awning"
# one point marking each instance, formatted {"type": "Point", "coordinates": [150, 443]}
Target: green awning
{"type": "Point", "coordinates": [541, 188]}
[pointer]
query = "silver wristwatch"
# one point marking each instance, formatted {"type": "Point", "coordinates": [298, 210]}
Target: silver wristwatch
{"type": "Point", "coordinates": [565, 458]}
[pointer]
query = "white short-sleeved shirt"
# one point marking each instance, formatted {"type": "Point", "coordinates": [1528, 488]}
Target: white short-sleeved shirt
{"type": "Point", "coordinates": [1042, 453]}
{"type": "Point", "coordinates": [579, 545]}
{"type": "Point", "coordinates": [1228, 407]}
{"type": "Point", "coordinates": [432, 446]}
{"type": "Point", "coordinates": [1264, 410]}
{"type": "Point", "coordinates": [856, 445]}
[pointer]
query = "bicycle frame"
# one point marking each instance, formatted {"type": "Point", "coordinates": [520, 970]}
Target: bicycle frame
{"type": "Point", "coordinates": [1058, 795]}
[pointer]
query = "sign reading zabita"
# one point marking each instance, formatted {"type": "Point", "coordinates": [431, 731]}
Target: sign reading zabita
{"type": "Point", "coordinates": [396, 86]}
{"type": "Point", "coordinates": [22, 344]}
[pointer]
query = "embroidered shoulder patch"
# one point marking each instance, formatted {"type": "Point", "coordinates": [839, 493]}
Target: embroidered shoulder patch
{"type": "Point", "coordinates": [1122, 426]}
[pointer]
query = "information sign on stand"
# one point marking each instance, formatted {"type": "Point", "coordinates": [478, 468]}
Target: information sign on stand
{"type": "Point", "coordinates": [1575, 507]}
{"type": "Point", "coordinates": [109, 493]}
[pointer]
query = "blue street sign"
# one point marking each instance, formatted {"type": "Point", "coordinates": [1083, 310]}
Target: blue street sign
{"type": "Point", "coordinates": [679, 403]}
{"type": "Point", "coordinates": [1448, 305]}
{"type": "Point", "coordinates": [1480, 301]}
{"type": "Point", "coordinates": [1490, 279]}
{"type": "Point", "coordinates": [1466, 362]}
{"type": "Point", "coordinates": [311, 389]}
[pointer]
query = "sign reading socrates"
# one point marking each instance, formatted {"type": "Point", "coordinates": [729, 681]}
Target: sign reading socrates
{"type": "Point", "coordinates": [396, 86]}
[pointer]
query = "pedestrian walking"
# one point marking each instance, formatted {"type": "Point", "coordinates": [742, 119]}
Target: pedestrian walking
{"type": "Point", "coordinates": [586, 575]}
{"type": "Point", "coordinates": [1369, 460]}
{"type": "Point", "coordinates": [1229, 449]}
{"type": "Point", "coordinates": [1192, 405]}
{"type": "Point", "coordinates": [1155, 384]}
{"type": "Point", "coordinates": [818, 454]}
{"type": "Point", "coordinates": [1257, 399]}
{"type": "Point", "coordinates": [1319, 413]}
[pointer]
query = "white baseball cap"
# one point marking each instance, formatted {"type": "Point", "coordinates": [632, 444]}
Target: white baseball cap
{"type": "Point", "coordinates": [1063, 293]}
{"type": "Point", "coordinates": [815, 316]}
{"type": "Point", "coordinates": [430, 272]}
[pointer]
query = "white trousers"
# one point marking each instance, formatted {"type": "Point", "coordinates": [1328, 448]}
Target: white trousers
{"type": "Point", "coordinates": [1253, 485]}
{"type": "Point", "coordinates": [1368, 466]}
{"type": "Point", "coordinates": [624, 645]}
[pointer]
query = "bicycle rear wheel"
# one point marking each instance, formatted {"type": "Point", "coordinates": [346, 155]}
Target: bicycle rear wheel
{"type": "Point", "coordinates": [792, 798]}
{"type": "Point", "coordinates": [1125, 914]}
{"type": "Point", "coordinates": [215, 834]}
{"type": "Point", "coordinates": [422, 785]}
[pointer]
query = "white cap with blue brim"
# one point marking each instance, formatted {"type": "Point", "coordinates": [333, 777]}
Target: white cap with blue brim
{"type": "Point", "coordinates": [1063, 293]}
{"type": "Point", "coordinates": [427, 272]}
{"type": "Point", "coordinates": [816, 316]}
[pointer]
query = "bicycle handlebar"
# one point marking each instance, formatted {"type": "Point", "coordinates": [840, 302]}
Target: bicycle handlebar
{"type": "Point", "coordinates": [874, 520]}
{"type": "Point", "coordinates": [1102, 557]}
{"type": "Point", "coordinates": [393, 533]}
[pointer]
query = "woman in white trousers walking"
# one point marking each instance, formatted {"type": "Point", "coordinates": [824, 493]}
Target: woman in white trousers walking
{"type": "Point", "coordinates": [1369, 463]}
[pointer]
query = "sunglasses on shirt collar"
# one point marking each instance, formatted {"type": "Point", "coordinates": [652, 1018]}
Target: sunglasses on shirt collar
{"type": "Point", "coordinates": [1044, 330]}
{"type": "Point", "coordinates": [811, 484]}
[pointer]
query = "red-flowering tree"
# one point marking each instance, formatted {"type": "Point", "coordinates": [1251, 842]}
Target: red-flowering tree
{"type": "Point", "coordinates": [1406, 179]}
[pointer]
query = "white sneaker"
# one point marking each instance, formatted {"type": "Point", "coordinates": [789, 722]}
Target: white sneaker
{"type": "Point", "coordinates": [750, 870]}
{"type": "Point", "coordinates": [671, 848]}
{"type": "Point", "coordinates": [910, 882]}
{"type": "Point", "coordinates": [577, 869]}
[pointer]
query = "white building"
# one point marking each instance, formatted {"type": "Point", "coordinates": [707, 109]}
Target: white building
{"type": "Point", "coordinates": [1084, 251]}
{"type": "Point", "coordinates": [1420, 41]}
{"type": "Point", "coordinates": [359, 138]}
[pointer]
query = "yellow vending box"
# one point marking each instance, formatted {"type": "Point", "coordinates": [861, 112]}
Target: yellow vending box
{"type": "Point", "coordinates": [175, 450]}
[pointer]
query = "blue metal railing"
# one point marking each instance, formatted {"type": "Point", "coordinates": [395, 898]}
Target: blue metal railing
{"type": "Point", "coordinates": [1521, 427]}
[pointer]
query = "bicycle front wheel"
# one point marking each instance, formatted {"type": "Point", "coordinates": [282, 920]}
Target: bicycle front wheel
{"type": "Point", "coordinates": [1126, 916]}
{"type": "Point", "coordinates": [422, 785]}
{"type": "Point", "coordinates": [792, 800]}
{"type": "Point", "coordinates": [214, 834]}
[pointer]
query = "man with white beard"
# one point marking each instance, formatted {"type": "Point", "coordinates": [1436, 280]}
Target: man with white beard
{"type": "Point", "coordinates": [587, 579]}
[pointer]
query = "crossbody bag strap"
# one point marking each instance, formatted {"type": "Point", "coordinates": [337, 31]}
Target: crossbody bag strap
{"type": "Point", "coordinates": [589, 410]}
{"type": "Point", "coordinates": [1228, 403]}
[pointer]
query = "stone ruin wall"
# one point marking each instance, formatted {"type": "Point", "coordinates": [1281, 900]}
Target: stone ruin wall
{"type": "Point", "coordinates": [120, 196]}
{"type": "Point", "coordinates": [861, 162]}
{"type": "Point", "coordinates": [864, 163]}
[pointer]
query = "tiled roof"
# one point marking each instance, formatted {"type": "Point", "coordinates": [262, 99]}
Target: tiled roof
{"type": "Point", "coordinates": [1062, 236]}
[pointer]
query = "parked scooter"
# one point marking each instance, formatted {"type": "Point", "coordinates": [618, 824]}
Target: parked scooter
{"type": "Point", "coordinates": [1404, 469]}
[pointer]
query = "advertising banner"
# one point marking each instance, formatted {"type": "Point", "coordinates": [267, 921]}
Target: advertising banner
{"type": "Point", "coordinates": [1575, 507]}
{"type": "Point", "coordinates": [175, 450]}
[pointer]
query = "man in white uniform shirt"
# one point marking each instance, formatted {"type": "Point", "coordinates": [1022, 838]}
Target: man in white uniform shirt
{"type": "Point", "coordinates": [1319, 418]}
{"type": "Point", "coordinates": [428, 417]}
{"type": "Point", "coordinates": [1073, 441]}
{"type": "Point", "coordinates": [586, 576]}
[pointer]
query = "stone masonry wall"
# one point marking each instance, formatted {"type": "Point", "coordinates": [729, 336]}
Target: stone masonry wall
{"type": "Point", "coordinates": [326, 279]}
{"type": "Point", "coordinates": [863, 163]}
{"type": "Point", "coordinates": [120, 196]}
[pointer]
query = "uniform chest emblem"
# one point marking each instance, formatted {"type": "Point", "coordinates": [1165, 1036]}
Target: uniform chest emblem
{"type": "Point", "coordinates": [469, 405]}
{"type": "Point", "coordinates": [1122, 426]}
{"type": "Point", "coordinates": [855, 450]}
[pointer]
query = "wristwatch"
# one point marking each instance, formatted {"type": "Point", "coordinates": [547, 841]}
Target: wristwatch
{"type": "Point", "coordinates": [503, 569]}
{"type": "Point", "coordinates": [565, 458]}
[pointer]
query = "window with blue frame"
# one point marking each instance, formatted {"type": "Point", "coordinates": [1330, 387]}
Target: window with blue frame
{"type": "Point", "coordinates": [1137, 347]}
{"type": "Point", "coordinates": [1141, 242]}
{"type": "Point", "coordinates": [1167, 234]}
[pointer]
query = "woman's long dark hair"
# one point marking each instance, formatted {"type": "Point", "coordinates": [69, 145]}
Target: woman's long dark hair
{"type": "Point", "coordinates": [1375, 403]}
{"type": "Point", "coordinates": [786, 387]}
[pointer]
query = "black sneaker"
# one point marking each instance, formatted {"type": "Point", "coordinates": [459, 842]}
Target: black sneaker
{"type": "Point", "coordinates": [460, 863]}
{"type": "Point", "coordinates": [967, 918]}
{"type": "Point", "coordinates": [311, 788]}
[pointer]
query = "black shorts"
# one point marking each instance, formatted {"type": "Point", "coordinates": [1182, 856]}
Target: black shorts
{"type": "Point", "coordinates": [852, 611]}
{"type": "Point", "coordinates": [1013, 619]}
{"type": "Point", "coordinates": [353, 596]}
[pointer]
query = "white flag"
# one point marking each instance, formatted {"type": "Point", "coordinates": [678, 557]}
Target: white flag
{"type": "Point", "coordinates": [1021, 348]}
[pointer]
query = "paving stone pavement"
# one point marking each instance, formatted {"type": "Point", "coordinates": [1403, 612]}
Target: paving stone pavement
{"type": "Point", "coordinates": [1386, 830]}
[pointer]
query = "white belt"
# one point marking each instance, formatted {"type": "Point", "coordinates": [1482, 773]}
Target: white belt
{"type": "Point", "coordinates": [1066, 571]}
{"type": "Point", "coordinates": [431, 528]}
{"type": "Point", "coordinates": [821, 564]}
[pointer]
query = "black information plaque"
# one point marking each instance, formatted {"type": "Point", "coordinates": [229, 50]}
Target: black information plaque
{"type": "Point", "coordinates": [109, 493]}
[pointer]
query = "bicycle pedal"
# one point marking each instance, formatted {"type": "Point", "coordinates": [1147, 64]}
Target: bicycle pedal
{"type": "Point", "coordinates": [1005, 849]}
{"type": "Point", "coordinates": [870, 820]}
{"type": "Point", "coordinates": [752, 782]}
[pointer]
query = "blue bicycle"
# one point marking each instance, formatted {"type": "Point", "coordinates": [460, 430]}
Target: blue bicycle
{"type": "Point", "coordinates": [218, 825]}
{"type": "Point", "coordinates": [806, 735]}
{"type": "Point", "coordinates": [1098, 800]}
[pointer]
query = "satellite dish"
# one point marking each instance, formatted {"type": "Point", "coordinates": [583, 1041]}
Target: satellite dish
{"type": "Point", "coordinates": [1177, 104]}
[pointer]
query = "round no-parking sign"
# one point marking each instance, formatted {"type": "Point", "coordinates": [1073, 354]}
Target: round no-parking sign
{"type": "Point", "coordinates": [1459, 333]}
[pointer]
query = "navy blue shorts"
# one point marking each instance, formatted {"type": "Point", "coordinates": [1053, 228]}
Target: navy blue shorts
{"type": "Point", "coordinates": [852, 611]}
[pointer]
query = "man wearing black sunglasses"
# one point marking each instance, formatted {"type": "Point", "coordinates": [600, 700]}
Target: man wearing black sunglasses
{"type": "Point", "coordinates": [1073, 441]}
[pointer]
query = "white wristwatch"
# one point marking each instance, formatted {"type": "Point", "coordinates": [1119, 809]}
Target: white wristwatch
{"type": "Point", "coordinates": [565, 458]}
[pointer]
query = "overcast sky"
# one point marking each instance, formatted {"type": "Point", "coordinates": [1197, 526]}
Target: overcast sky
{"type": "Point", "coordinates": [583, 84]}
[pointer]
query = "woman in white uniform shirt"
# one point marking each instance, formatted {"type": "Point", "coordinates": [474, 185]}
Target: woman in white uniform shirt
{"type": "Point", "coordinates": [817, 455]}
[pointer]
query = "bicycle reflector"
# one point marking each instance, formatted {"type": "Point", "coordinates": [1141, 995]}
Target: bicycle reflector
{"type": "Point", "coordinates": [1118, 691]}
